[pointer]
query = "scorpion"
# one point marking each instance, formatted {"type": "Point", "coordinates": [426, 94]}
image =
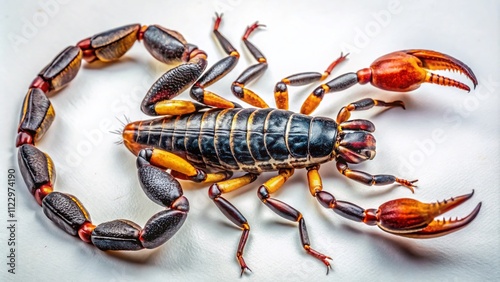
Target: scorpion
{"type": "Point", "coordinates": [207, 140]}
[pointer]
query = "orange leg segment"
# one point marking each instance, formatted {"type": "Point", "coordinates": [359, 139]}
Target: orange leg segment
{"type": "Point", "coordinates": [251, 73]}
{"type": "Point", "coordinates": [216, 72]}
{"type": "Point", "coordinates": [181, 168]}
{"type": "Point", "coordinates": [281, 89]}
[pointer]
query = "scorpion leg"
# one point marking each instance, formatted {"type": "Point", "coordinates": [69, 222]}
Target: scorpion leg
{"type": "Point", "coordinates": [231, 212]}
{"type": "Point", "coordinates": [286, 211]}
{"type": "Point", "coordinates": [299, 79]}
{"type": "Point", "coordinates": [362, 105]}
{"type": "Point", "coordinates": [238, 87]}
{"type": "Point", "coordinates": [216, 72]}
{"type": "Point", "coordinates": [369, 179]}
{"type": "Point", "coordinates": [345, 148]}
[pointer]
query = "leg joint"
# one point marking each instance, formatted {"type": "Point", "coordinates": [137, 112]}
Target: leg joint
{"type": "Point", "coordinates": [214, 191]}
{"type": "Point", "coordinates": [326, 199]}
{"type": "Point", "coordinates": [197, 93]}
{"type": "Point", "coordinates": [199, 177]}
{"type": "Point", "coordinates": [263, 193]}
{"type": "Point", "coordinates": [144, 157]}
{"type": "Point", "coordinates": [237, 90]}
{"type": "Point", "coordinates": [181, 204]}
{"type": "Point", "coordinates": [280, 87]}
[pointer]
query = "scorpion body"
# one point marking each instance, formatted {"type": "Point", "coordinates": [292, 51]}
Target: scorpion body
{"type": "Point", "coordinates": [208, 140]}
{"type": "Point", "coordinates": [250, 140]}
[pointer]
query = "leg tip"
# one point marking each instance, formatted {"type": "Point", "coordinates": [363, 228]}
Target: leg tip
{"type": "Point", "coordinates": [399, 103]}
{"type": "Point", "coordinates": [243, 268]}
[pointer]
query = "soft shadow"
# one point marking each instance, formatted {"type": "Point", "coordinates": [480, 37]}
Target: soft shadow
{"type": "Point", "coordinates": [103, 65]}
{"type": "Point", "coordinates": [136, 257]}
{"type": "Point", "coordinates": [382, 242]}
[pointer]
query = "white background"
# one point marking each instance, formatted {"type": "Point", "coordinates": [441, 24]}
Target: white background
{"type": "Point", "coordinates": [300, 36]}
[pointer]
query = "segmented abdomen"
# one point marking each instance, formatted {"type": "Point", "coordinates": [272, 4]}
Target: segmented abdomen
{"type": "Point", "coordinates": [253, 140]}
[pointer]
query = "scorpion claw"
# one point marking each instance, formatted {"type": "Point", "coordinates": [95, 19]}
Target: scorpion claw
{"type": "Point", "coordinates": [414, 219]}
{"type": "Point", "coordinates": [433, 60]}
{"type": "Point", "coordinates": [405, 70]}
